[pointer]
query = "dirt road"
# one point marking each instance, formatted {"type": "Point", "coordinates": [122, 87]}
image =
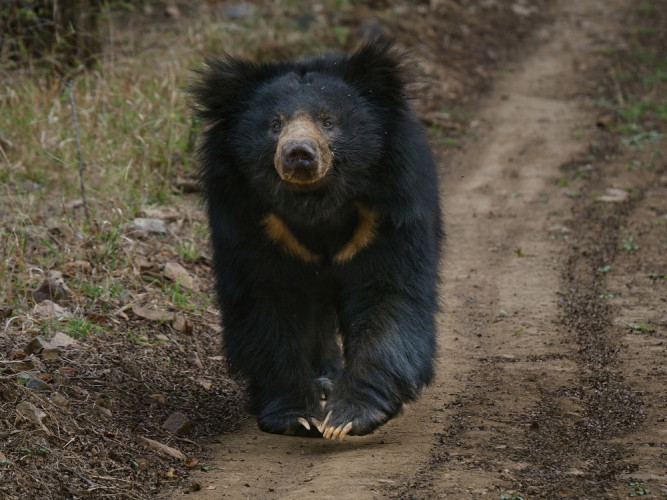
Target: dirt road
{"type": "Point", "coordinates": [513, 390]}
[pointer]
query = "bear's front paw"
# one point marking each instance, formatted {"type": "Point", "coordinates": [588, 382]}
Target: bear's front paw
{"type": "Point", "coordinates": [355, 420]}
{"type": "Point", "coordinates": [291, 424]}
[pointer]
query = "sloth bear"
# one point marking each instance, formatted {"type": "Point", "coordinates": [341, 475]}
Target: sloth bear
{"type": "Point", "coordinates": [323, 205]}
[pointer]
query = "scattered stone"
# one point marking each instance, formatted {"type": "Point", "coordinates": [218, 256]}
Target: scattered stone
{"type": "Point", "coordinates": [605, 121]}
{"type": "Point", "coordinates": [103, 411]}
{"type": "Point", "coordinates": [37, 345]}
{"type": "Point", "coordinates": [613, 195]}
{"type": "Point", "coordinates": [59, 400]}
{"type": "Point", "coordinates": [161, 448]}
{"type": "Point", "coordinates": [52, 288]}
{"type": "Point", "coordinates": [159, 398]}
{"type": "Point", "coordinates": [205, 383]}
{"type": "Point", "coordinates": [43, 348]}
{"type": "Point", "coordinates": [181, 324]}
{"type": "Point", "coordinates": [62, 340]}
{"type": "Point", "coordinates": [142, 463]}
{"type": "Point", "coordinates": [16, 366]}
{"type": "Point", "coordinates": [16, 354]}
{"type": "Point", "coordinates": [559, 228]}
{"type": "Point", "coordinates": [32, 413]}
{"type": "Point", "coordinates": [172, 11]}
{"type": "Point", "coordinates": [48, 309]}
{"type": "Point", "coordinates": [5, 312]}
{"type": "Point", "coordinates": [31, 380]}
{"type": "Point", "coordinates": [68, 371]}
{"type": "Point", "coordinates": [175, 272]}
{"type": "Point", "coordinates": [193, 359]}
{"type": "Point", "coordinates": [143, 225]}
{"type": "Point", "coordinates": [151, 315]}
{"type": "Point", "coordinates": [178, 423]}
{"type": "Point", "coordinates": [239, 10]}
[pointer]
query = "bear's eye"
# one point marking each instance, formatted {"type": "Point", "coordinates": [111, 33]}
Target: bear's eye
{"type": "Point", "coordinates": [277, 126]}
{"type": "Point", "coordinates": [327, 124]}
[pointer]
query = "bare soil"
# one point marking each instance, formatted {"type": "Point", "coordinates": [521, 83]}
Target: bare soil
{"type": "Point", "coordinates": [542, 391]}
{"type": "Point", "coordinates": [551, 377]}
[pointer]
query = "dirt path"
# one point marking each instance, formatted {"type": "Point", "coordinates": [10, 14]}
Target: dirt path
{"type": "Point", "coordinates": [506, 356]}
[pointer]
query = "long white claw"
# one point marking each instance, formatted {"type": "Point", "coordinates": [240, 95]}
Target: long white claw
{"type": "Point", "coordinates": [324, 424]}
{"type": "Point", "coordinates": [345, 430]}
{"type": "Point", "coordinates": [328, 432]}
{"type": "Point", "coordinates": [316, 423]}
{"type": "Point", "coordinates": [303, 422]}
{"type": "Point", "coordinates": [336, 432]}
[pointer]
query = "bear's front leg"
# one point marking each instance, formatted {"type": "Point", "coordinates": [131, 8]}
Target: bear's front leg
{"type": "Point", "coordinates": [389, 344]}
{"type": "Point", "coordinates": [271, 345]}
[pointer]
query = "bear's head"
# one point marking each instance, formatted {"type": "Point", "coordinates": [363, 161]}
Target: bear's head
{"type": "Point", "coordinates": [305, 136]}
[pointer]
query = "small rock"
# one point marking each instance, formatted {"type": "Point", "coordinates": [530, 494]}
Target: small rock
{"type": "Point", "coordinates": [193, 359]}
{"type": "Point", "coordinates": [5, 312]}
{"type": "Point", "coordinates": [16, 354]}
{"type": "Point", "coordinates": [613, 195]}
{"type": "Point", "coordinates": [151, 315]}
{"type": "Point", "coordinates": [35, 384]}
{"type": "Point", "coordinates": [37, 345]}
{"type": "Point", "coordinates": [17, 366]}
{"type": "Point", "coordinates": [159, 398]}
{"type": "Point", "coordinates": [205, 383]}
{"type": "Point", "coordinates": [59, 400]}
{"type": "Point", "coordinates": [32, 413]}
{"type": "Point", "coordinates": [239, 10]}
{"type": "Point", "coordinates": [142, 463]}
{"type": "Point", "coordinates": [143, 225]}
{"type": "Point", "coordinates": [559, 228]}
{"type": "Point", "coordinates": [172, 11]}
{"type": "Point", "coordinates": [175, 272]}
{"type": "Point", "coordinates": [178, 423]}
{"type": "Point", "coordinates": [48, 309]}
{"type": "Point", "coordinates": [181, 324]}
{"type": "Point", "coordinates": [62, 340]}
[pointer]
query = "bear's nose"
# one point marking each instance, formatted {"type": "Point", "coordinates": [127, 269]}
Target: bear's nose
{"type": "Point", "coordinates": [299, 154]}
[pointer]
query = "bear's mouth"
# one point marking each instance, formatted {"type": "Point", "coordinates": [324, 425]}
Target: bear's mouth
{"type": "Point", "coordinates": [303, 186]}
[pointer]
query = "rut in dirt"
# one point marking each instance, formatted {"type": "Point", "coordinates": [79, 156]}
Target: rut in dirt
{"type": "Point", "coordinates": [551, 418]}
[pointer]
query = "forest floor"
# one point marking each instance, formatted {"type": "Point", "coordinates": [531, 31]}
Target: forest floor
{"type": "Point", "coordinates": [548, 120]}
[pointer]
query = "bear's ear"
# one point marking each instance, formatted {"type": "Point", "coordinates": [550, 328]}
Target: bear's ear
{"type": "Point", "coordinates": [222, 86]}
{"type": "Point", "coordinates": [378, 69]}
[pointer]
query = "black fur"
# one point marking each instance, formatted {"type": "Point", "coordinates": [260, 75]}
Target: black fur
{"type": "Point", "coordinates": [281, 314]}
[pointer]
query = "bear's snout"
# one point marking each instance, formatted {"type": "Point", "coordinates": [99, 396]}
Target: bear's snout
{"type": "Point", "coordinates": [300, 158]}
{"type": "Point", "coordinates": [298, 154]}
